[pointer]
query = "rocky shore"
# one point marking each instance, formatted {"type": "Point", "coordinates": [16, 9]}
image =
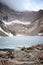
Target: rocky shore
{"type": "Point", "coordinates": [24, 56]}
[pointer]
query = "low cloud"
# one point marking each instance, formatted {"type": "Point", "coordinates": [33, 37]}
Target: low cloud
{"type": "Point", "coordinates": [22, 5]}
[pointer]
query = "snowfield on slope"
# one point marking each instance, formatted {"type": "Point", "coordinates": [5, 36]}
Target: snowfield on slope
{"type": "Point", "coordinates": [8, 34]}
{"type": "Point", "coordinates": [16, 21]}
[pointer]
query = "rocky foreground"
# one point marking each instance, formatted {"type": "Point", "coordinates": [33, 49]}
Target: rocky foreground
{"type": "Point", "coordinates": [24, 56]}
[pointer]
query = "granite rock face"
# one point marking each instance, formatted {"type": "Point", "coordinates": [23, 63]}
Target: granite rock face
{"type": "Point", "coordinates": [20, 23]}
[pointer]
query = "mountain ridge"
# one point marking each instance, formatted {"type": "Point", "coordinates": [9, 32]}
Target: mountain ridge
{"type": "Point", "coordinates": [33, 19]}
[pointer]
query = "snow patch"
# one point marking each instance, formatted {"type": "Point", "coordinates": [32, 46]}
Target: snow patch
{"type": "Point", "coordinates": [19, 35]}
{"type": "Point", "coordinates": [16, 21]}
{"type": "Point", "coordinates": [40, 34]}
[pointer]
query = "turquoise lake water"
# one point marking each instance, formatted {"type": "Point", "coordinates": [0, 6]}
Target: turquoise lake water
{"type": "Point", "coordinates": [17, 41]}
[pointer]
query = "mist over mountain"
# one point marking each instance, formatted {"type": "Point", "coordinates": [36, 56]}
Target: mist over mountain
{"type": "Point", "coordinates": [24, 5]}
{"type": "Point", "coordinates": [20, 23]}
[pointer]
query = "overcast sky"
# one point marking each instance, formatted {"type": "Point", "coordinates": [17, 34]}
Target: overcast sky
{"type": "Point", "coordinates": [22, 5]}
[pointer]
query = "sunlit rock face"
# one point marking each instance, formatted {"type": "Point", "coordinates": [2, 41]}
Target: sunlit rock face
{"type": "Point", "coordinates": [24, 23]}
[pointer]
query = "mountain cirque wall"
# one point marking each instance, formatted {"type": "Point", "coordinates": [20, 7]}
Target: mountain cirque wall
{"type": "Point", "coordinates": [24, 23]}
